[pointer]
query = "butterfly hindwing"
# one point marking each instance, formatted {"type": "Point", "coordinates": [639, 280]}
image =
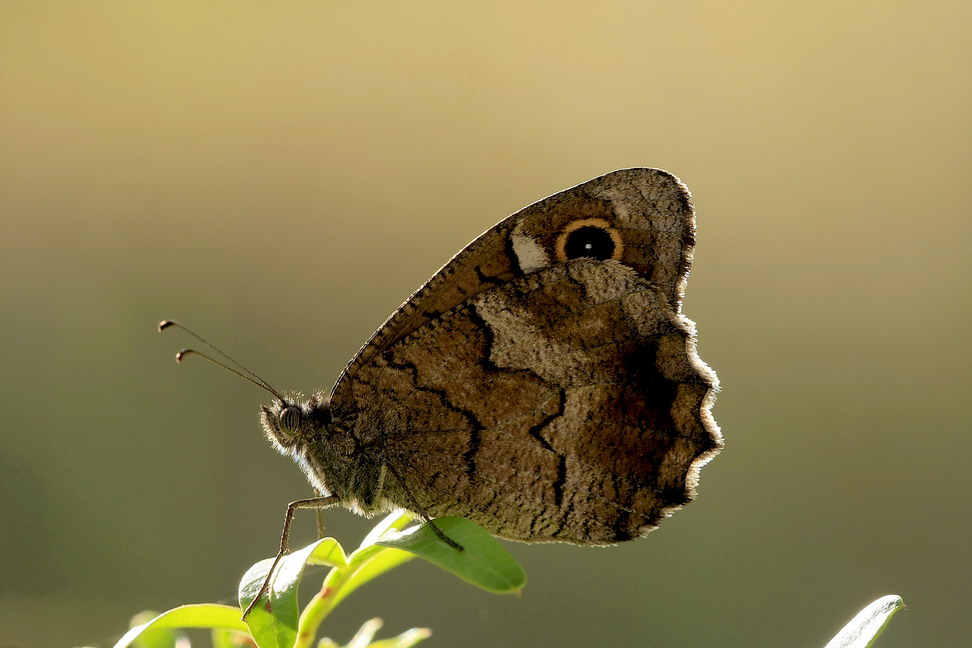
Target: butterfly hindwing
{"type": "Point", "coordinates": [566, 404]}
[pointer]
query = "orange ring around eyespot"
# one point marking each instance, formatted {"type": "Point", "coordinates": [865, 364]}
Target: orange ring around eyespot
{"type": "Point", "coordinates": [599, 223]}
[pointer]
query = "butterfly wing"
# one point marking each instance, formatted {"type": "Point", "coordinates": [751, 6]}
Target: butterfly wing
{"type": "Point", "coordinates": [543, 394]}
{"type": "Point", "coordinates": [565, 405]}
{"type": "Point", "coordinates": [650, 209]}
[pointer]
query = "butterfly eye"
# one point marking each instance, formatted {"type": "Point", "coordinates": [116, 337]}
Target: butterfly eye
{"type": "Point", "coordinates": [289, 420]}
{"type": "Point", "coordinates": [592, 238]}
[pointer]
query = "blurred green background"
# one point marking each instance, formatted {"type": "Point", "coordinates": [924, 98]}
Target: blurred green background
{"type": "Point", "coordinates": [281, 175]}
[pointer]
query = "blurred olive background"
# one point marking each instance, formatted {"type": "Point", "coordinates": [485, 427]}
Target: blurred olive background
{"type": "Point", "coordinates": [281, 175]}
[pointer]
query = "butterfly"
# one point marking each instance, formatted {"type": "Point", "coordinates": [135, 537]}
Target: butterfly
{"type": "Point", "coordinates": [543, 383]}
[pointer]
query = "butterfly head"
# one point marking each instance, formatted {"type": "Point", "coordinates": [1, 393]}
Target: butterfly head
{"type": "Point", "coordinates": [293, 421]}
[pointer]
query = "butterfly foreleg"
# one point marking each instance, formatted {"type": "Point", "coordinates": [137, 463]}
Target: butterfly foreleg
{"type": "Point", "coordinates": [309, 503]}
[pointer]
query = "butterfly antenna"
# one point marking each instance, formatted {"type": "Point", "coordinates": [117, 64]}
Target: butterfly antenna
{"type": "Point", "coordinates": [250, 375]}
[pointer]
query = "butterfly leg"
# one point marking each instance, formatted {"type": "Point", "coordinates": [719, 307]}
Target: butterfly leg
{"type": "Point", "coordinates": [320, 517]}
{"type": "Point", "coordinates": [309, 503]}
{"type": "Point", "coordinates": [442, 536]}
{"type": "Point", "coordinates": [421, 511]}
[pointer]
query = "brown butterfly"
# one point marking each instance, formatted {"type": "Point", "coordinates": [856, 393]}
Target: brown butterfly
{"type": "Point", "coordinates": [543, 384]}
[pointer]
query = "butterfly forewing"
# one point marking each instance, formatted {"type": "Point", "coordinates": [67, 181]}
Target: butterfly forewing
{"type": "Point", "coordinates": [649, 209]}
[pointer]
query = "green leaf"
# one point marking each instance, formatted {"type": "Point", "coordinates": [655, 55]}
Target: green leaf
{"type": "Point", "coordinates": [868, 625]}
{"type": "Point", "coordinates": [328, 551]}
{"type": "Point", "coordinates": [206, 615]}
{"type": "Point", "coordinates": [405, 640]}
{"type": "Point", "coordinates": [230, 638]}
{"type": "Point", "coordinates": [363, 638]}
{"type": "Point", "coordinates": [156, 637]}
{"type": "Point", "coordinates": [395, 521]}
{"type": "Point", "coordinates": [364, 564]}
{"type": "Point", "coordinates": [369, 563]}
{"type": "Point", "coordinates": [277, 627]}
{"type": "Point", "coordinates": [483, 561]}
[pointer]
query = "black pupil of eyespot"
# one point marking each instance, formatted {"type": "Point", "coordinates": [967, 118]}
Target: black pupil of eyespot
{"type": "Point", "coordinates": [589, 241]}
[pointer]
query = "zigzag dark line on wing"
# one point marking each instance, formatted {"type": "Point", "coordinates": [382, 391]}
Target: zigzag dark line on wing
{"type": "Point", "coordinates": [519, 438]}
{"type": "Point", "coordinates": [536, 432]}
{"type": "Point", "coordinates": [476, 426]}
{"type": "Point", "coordinates": [470, 311]}
{"type": "Point", "coordinates": [413, 431]}
{"type": "Point", "coordinates": [528, 441]}
{"type": "Point", "coordinates": [484, 475]}
{"type": "Point", "coordinates": [484, 385]}
{"type": "Point", "coordinates": [487, 279]}
{"type": "Point", "coordinates": [484, 363]}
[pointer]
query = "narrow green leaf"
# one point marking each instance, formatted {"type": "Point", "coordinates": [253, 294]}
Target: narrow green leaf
{"type": "Point", "coordinates": [205, 615]}
{"type": "Point", "coordinates": [868, 625]}
{"type": "Point", "coordinates": [156, 637]}
{"type": "Point", "coordinates": [405, 640]}
{"type": "Point", "coordinates": [328, 552]}
{"type": "Point", "coordinates": [277, 627]}
{"type": "Point", "coordinates": [483, 561]}
{"type": "Point", "coordinates": [364, 637]}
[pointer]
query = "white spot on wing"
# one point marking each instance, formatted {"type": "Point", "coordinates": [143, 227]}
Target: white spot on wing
{"type": "Point", "coordinates": [528, 252]}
